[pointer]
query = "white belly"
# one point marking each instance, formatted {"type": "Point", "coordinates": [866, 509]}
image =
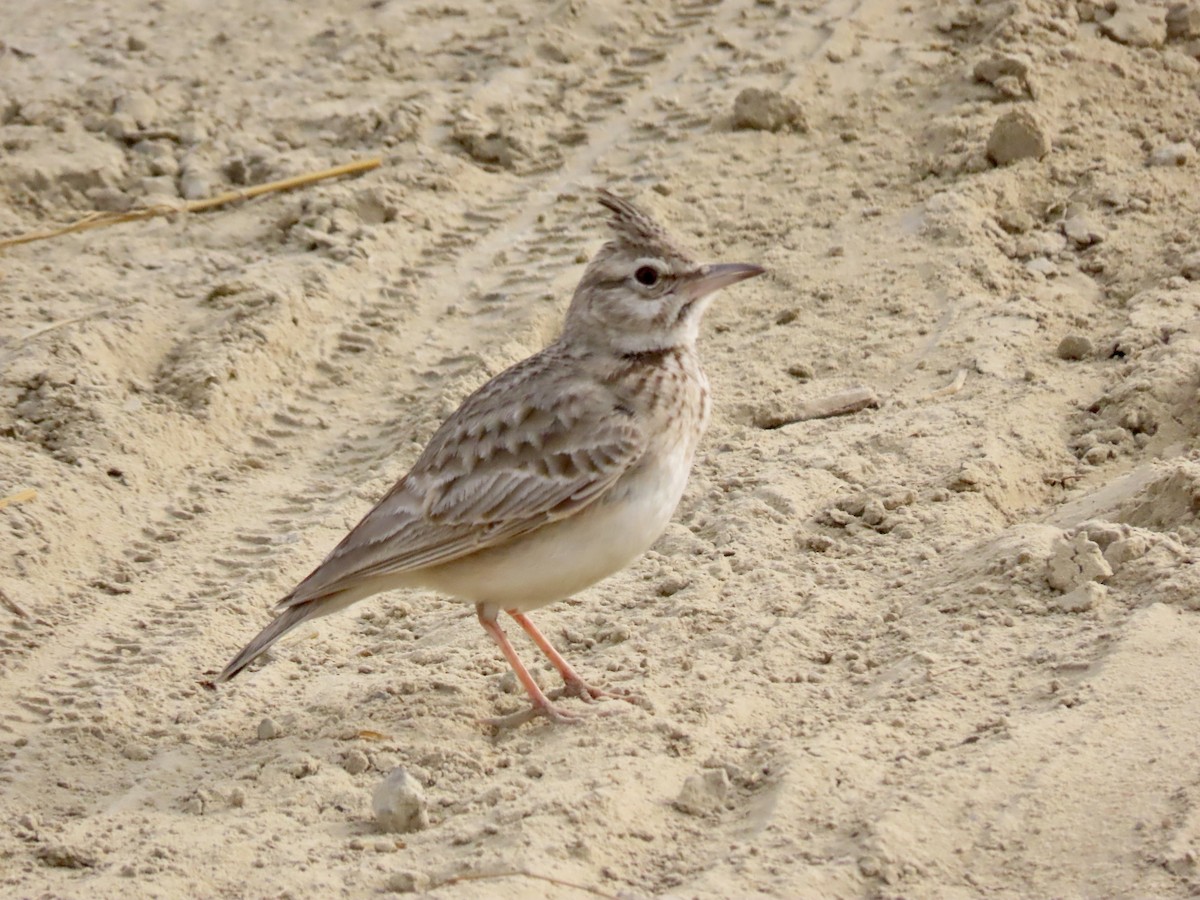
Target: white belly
{"type": "Point", "coordinates": [572, 554]}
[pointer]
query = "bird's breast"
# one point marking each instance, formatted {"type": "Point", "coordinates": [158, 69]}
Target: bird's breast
{"type": "Point", "coordinates": [669, 401]}
{"type": "Point", "coordinates": [571, 554]}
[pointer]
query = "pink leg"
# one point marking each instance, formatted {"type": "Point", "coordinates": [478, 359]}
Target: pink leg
{"type": "Point", "coordinates": [541, 704]}
{"type": "Point", "coordinates": [576, 686]}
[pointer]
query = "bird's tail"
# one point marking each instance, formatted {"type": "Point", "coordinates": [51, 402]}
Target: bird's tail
{"type": "Point", "coordinates": [284, 622]}
{"type": "Point", "coordinates": [289, 618]}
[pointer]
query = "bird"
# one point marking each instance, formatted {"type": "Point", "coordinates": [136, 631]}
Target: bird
{"type": "Point", "coordinates": [559, 471]}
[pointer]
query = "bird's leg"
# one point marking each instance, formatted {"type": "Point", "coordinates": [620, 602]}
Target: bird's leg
{"type": "Point", "coordinates": [541, 704]}
{"type": "Point", "coordinates": [575, 686]}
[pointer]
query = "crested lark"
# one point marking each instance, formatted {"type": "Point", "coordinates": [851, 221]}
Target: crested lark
{"type": "Point", "coordinates": [558, 471]}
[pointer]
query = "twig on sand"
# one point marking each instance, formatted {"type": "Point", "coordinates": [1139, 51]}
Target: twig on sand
{"type": "Point", "coordinates": [953, 387]}
{"type": "Point", "coordinates": [840, 404]}
{"type": "Point", "coordinates": [19, 497]}
{"type": "Point", "coordinates": [11, 605]}
{"type": "Point", "coordinates": [104, 219]}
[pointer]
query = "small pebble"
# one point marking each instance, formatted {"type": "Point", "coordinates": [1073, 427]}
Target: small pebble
{"type": "Point", "coordinates": [703, 793]}
{"type": "Point", "coordinates": [194, 187]}
{"type": "Point", "coordinates": [355, 762]}
{"type": "Point", "coordinates": [1083, 598]}
{"type": "Point", "coordinates": [1190, 267]}
{"type": "Point", "coordinates": [1083, 232]}
{"type": "Point", "coordinates": [870, 867]}
{"type": "Point", "coordinates": [268, 730]}
{"type": "Point", "coordinates": [399, 803]}
{"type": "Point", "coordinates": [800, 372]}
{"type": "Point", "coordinates": [1008, 73]}
{"type": "Point", "coordinates": [119, 125]}
{"type": "Point", "coordinates": [192, 133]}
{"type": "Point", "coordinates": [1136, 24]}
{"type": "Point", "coordinates": [407, 882]}
{"type": "Point", "coordinates": [1015, 221]}
{"type": "Point", "coordinates": [137, 752]}
{"type": "Point", "coordinates": [139, 106]}
{"type": "Point", "coordinates": [1075, 347]}
{"type": "Point", "coordinates": [1180, 154]}
{"type": "Point", "coordinates": [1017, 135]}
{"type": "Point", "coordinates": [765, 110]}
{"type": "Point", "coordinates": [1042, 266]}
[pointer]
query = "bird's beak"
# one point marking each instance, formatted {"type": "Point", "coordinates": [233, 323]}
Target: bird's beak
{"type": "Point", "coordinates": [720, 275]}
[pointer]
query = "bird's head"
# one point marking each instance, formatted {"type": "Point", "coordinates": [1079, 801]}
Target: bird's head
{"type": "Point", "coordinates": [642, 291]}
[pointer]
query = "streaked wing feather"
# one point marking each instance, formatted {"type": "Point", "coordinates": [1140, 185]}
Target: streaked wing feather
{"type": "Point", "coordinates": [482, 481]}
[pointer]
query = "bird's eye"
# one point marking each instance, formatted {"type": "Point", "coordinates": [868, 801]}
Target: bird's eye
{"type": "Point", "coordinates": [647, 275]}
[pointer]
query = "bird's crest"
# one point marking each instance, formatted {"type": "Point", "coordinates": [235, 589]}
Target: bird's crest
{"type": "Point", "coordinates": [636, 229]}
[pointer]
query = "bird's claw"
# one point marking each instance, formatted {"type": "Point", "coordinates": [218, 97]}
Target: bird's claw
{"type": "Point", "coordinates": [557, 714]}
{"type": "Point", "coordinates": [548, 711]}
{"type": "Point", "coordinates": [589, 694]}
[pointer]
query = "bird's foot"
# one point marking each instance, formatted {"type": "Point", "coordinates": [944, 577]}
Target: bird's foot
{"type": "Point", "coordinates": [577, 687]}
{"type": "Point", "coordinates": [556, 714]}
{"type": "Point", "coordinates": [549, 711]}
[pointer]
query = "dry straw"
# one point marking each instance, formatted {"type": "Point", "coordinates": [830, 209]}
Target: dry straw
{"type": "Point", "coordinates": [19, 497]}
{"type": "Point", "coordinates": [104, 219]}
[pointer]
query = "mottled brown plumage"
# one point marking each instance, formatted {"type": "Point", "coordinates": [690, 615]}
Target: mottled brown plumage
{"type": "Point", "coordinates": [557, 472]}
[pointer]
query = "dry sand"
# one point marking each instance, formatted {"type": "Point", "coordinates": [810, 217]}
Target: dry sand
{"type": "Point", "coordinates": [941, 648]}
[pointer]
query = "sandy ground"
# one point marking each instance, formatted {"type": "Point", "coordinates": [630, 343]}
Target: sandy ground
{"type": "Point", "coordinates": [946, 647]}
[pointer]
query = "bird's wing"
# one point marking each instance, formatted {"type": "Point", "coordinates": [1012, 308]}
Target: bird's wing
{"type": "Point", "coordinates": [509, 461]}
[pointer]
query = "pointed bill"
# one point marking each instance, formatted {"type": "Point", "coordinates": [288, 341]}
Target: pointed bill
{"type": "Point", "coordinates": [721, 275]}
